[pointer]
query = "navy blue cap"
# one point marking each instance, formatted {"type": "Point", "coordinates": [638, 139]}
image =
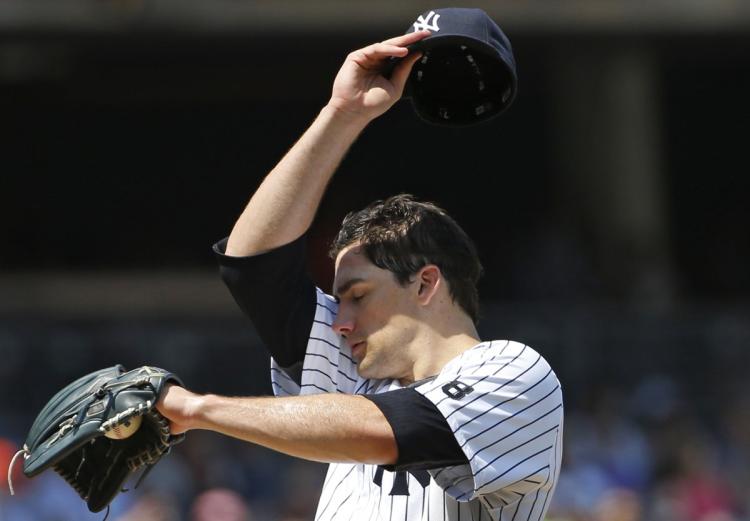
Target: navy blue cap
{"type": "Point", "coordinates": [467, 74]}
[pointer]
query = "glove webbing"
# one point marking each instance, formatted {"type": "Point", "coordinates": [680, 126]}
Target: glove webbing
{"type": "Point", "coordinates": [151, 455]}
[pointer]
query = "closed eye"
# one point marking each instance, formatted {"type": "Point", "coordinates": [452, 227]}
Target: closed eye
{"type": "Point", "coordinates": [353, 298]}
{"type": "Point", "coordinates": [346, 288]}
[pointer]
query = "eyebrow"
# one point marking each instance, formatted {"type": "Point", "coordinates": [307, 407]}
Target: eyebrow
{"type": "Point", "coordinates": [346, 286]}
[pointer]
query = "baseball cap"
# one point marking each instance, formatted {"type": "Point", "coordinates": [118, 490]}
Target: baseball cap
{"type": "Point", "coordinates": [467, 74]}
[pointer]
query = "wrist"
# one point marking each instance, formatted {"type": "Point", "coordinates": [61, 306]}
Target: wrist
{"type": "Point", "coordinates": [195, 410]}
{"type": "Point", "coordinates": [350, 118]}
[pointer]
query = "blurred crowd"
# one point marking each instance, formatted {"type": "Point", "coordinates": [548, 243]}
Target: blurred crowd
{"type": "Point", "coordinates": [651, 453]}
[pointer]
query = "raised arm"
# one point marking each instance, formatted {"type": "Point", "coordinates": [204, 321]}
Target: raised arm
{"type": "Point", "coordinates": [284, 205]}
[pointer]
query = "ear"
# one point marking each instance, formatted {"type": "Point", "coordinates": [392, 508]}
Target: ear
{"type": "Point", "coordinates": [429, 279]}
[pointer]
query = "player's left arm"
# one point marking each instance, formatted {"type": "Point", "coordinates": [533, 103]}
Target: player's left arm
{"type": "Point", "coordinates": [325, 427]}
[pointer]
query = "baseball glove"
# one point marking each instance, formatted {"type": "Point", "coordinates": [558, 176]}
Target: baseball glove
{"type": "Point", "coordinates": [100, 429]}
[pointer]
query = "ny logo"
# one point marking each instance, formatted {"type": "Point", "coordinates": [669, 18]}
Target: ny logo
{"type": "Point", "coordinates": [400, 483]}
{"type": "Point", "coordinates": [423, 23]}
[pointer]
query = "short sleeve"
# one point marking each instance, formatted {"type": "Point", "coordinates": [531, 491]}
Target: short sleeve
{"type": "Point", "coordinates": [503, 403]}
{"type": "Point", "coordinates": [423, 437]}
{"type": "Point", "coordinates": [275, 292]}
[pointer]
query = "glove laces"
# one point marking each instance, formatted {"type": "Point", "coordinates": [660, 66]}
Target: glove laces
{"type": "Point", "coordinates": [23, 452]}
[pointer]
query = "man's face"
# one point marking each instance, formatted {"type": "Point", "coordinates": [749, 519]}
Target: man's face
{"type": "Point", "coordinates": [376, 315]}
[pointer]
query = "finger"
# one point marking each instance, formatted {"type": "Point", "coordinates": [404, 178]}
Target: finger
{"type": "Point", "coordinates": [402, 70]}
{"type": "Point", "coordinates": [408, 39]}
{"type": "Point", "coordinates": [373, 55]}
{"type": "Point", "coordinates": [383, 50]}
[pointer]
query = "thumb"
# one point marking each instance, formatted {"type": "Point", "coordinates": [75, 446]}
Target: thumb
{"type": "Point", "coordinates": [401, 71]}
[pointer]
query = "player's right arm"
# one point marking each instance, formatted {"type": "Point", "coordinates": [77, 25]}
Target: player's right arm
{"type": "Point", "coordinates": [262, 262]}
{"type": "Point", "coordinates": [284, 205]}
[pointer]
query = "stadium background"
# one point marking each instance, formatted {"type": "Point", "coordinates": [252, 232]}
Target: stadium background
{"type": "Point", "coordinates": [609, 206]}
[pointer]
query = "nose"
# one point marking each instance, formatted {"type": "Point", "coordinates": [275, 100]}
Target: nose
{"type": "Point", "coordinates": [342, 325]}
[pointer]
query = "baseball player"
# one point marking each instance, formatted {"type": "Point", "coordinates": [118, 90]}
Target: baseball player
{"type": "Point", "coordinates": [387, 379]}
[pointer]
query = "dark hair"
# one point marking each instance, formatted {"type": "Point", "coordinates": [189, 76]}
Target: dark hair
{"type": "Point", "coordinates": [403, 235]}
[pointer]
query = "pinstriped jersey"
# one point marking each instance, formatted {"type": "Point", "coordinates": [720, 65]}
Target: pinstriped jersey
{"type": "Point", "coordinates": [504, 405]}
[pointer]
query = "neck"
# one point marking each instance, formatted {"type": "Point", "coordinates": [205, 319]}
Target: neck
{"type": "Point", "coordinates": [436, 349]}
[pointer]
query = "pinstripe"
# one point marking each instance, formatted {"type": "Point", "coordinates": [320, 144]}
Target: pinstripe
{"type": "Point", "coordinates": [457, 361]}
{"type": "Point", "coordinates": [328, 342]}
{"type": "Point", "coordinates": [537, 471]}
{"type": "Point", "coordinates": [531, 510]}
{"type": "Point", "coordinates": [406, 499]}
{"type": "Point", "coordinates": [372, 384]}
{"type": "Point", "coordinates": [274, 381]}
{"type": "Point", "coordinates": [319, 355]}
{"type": "Point", "coordinates": [316, 387]}
{"type": "Point", "coordinates": [283, 389]}
{"type": "Point", "coordinates": [515, 448]}
{"type": "Point", "coordinates": [522, 427]}
{"type": "Point", "coordinates": [544, 507]}
{"type": "Point", "coordinates": [311, 370]}
{"type": "Point", "coordinates": [539, 491]}
{"type": "Point", "coordinates": [353, 380]}
{"type": "Point", "coordinates": [518, 507]}
{"type": "Point", "coordinates": [380, 500]}
{"type": "Point", "coordinates": [429, 503]}
{"type": "Point", "coordinates": [553, 473]}
{"type": "Point", "coordinates": [282, 373]}
{"type": "Point", "coordinates": [507, 343]}
{"type": "Point", "coordinates": [487, 347]}
{"type": "Point", "coordinates": [503, 403]}
{"type": "Point", "coordinates": [370, 486]}
{"type": "Point", "coordinates": [326, 307]}
{"type": "Point", "coordinates": [501, 386]}
{"type": "Point", "coordinates": [511, 468]}
{"type": "Point", "coordinates": [333, 493]}
{"type": "Point", "coordinates": [341, 505]}
{"type": "Point", "coordinates": [364, 383]}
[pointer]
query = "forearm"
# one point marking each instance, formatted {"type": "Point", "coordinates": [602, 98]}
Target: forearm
{"type": "Point", "coordinates": [325, 427]}
{"type": "Point", "coordinates": [284, 205]}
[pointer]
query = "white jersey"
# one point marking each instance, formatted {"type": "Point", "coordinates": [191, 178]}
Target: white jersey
{"type": "Point", "coordinates": [503, 403]}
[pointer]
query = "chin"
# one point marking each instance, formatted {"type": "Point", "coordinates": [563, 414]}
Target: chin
{"type": "Point", "coordinates": [366, 370]}
{"type": "Point", "coordinates": [372, 373]}
{"type": "Point", "coordinates": [363, 371]}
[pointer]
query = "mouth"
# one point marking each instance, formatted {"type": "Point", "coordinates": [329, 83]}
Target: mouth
{"type": "Point", "coordinates": [358, 350]}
